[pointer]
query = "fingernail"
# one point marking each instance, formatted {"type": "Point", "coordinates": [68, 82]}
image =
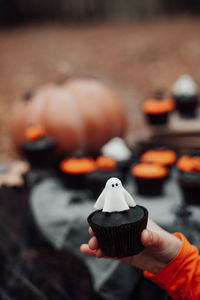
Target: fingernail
{"type": "Point", "coordinates": [146, 234]}
{"type": "Point", "coordinates": [148, 238]}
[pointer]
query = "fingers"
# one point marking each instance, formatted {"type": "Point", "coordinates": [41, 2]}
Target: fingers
{"type": "Point", "coordinates": [154, 227]}
{"type": "Point", "coordinates": [92, 248]}
{"type": "Point", "coordinates": [91, 231]}
{"type": "Point", "coordinates": [151, 239]}
{"type": "Point", "coordinates": [93, 243]}
{"type": "Point", "coordinates": [164, 245]}
{"type": "Point", "coordinates": [99, 254]}
{"type": "Point", "coordinates": [85, 249]}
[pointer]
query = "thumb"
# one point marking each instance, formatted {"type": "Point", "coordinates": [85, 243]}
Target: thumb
{"type": "Point", "coordinates": [163, 245]}
{"type": "Point", "coordinates": [152, 239]}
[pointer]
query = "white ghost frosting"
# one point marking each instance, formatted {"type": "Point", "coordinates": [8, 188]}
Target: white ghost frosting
{"type": "Point", "coordinates": [185, 86]}
{"type": "Point", "coordinates": [114, 197]}
{"type": "Point", "coordinates": [117, 149]}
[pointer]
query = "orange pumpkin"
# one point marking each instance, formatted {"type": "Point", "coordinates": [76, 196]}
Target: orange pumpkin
{"type": "Point", "coordinates": [81, 114]}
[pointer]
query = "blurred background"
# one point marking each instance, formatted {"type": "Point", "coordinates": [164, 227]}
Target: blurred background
{"type": "Point", "coordinates": [137, 47]}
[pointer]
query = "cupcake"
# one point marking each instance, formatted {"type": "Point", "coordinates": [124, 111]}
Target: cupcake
{"type": "Point", "coordinates": [157, 110]}
{"type": "Point", "coordinates": [106, 167]}
{"type": "Point", "coordinates": [74, 171]}
{"type": "Point", "coordinates": [149, 178]}
{"type": "Point", "coordinates": [120, 152]}
{"type": "Point", "coordinates": [118, 222]}
{"type": "Point", "coordinates": [38, 148]}
{"type": "Point", "coordinates": [161, 156]}
{"type": "Point", "coordinates": [189, 178]}
{"type": "Point", "coordinates": [185, 94]}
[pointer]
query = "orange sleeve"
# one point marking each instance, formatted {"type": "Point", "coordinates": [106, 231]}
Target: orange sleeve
{"type": "Point", "coordinates": [181, 276]}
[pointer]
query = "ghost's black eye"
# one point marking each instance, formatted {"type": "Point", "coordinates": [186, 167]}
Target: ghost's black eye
{"type": "Point", "coordinates": [113, 185]}
{"type": "Point", "coordinates": [116, 184]}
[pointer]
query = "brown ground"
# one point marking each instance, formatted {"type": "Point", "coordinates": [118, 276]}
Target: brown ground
{"type": "Point", "coordinates": [135, 59]}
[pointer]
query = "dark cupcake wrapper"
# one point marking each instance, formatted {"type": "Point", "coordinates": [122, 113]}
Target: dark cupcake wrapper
{"type": "Point", "coordinates": [157, 119]}
{"type": "Point", "coordinates": [186, 105]}
{"type": "Point", "coordinates": [74, 181]}
{"type": "Point", "coordinates": [190, 187]}
{"type": "Point", "coordinates": [40, 153]}
{"type": "Point", "coordinates": [150, 186]}
{"type": "Point", "coordinates": [120, 241]}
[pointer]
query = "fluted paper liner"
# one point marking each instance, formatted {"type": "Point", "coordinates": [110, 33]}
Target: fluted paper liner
{"type": "Point", "coordinates": [120, 241]}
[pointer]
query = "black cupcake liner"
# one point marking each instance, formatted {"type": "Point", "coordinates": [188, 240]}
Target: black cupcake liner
{"type": "Point", "coordinates": [40, 154]}
{"type": "Point", "coordinates": [74, 181]}
{"type": "Point", "coordinates": [157, 119]}
{"type": "Point", "coordinates": [120, 241]}
{"type": "Point", "coordinates": [190, 190]}
{"type": "Point", "coordinates": [187, 105]}
{"type": "Point", "coordinates": [191, 195]}
{"type": "Point", "coordinates": [150, 186]}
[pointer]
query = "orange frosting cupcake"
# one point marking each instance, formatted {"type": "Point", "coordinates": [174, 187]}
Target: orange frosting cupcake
{"type": "Point", "coordinates": [35, 132]}
{"type": "Point", "coordinates": [78, 165]}
{"type": "Point", "coordinates": [163, 157]}
{"type": "Point", "coordinates": [158, 106]}
{"type": "Point", "coordinates": [188, 163]}
{"type": "Point", "coordinates": [105, 163]}
{"type": "Point", "coordinates": [147, 170]}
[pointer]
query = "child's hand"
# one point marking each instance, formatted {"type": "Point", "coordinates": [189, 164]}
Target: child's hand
{"type": "Point", "coordinates": [161, 247]}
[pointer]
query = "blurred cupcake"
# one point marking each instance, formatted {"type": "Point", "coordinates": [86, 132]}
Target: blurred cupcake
{"type": "Point", "coordinates": [185, 94]}
{"type": "Point", "coordinates": [74, 171]}
{"type": "Point", "coordinates": [149, 178]}
{"type": "Point", "coordinates": [117, 149]}
{"type": "Point", "coordinates": [189, 178]}
{"type": "Point", "coordinates": [161, 156]}
{"type": "Point", "coordinates": [157, 110]}
{"type": "Point", "coordinates": [38, 148]}
{"type": "Point", "coordinates": [106, 168]}
{"type": "Point", "coordinates": [118, 222]}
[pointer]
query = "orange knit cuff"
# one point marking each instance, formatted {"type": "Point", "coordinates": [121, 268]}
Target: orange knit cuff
{"type": "Point", "coordinates": [179, 272]}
